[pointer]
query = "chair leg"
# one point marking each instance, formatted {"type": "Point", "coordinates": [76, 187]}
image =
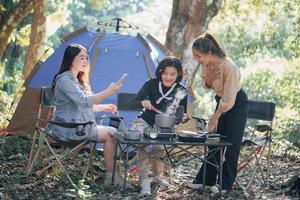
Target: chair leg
{"type": "Point", "coordinates": [60, 164]}
{"type": "Point", "coordinates": [258, 159]}
{"type": "Point", "coordinates": [245, 162]}
{"type": "Point", "coordinates": [268, 162]}
{"type": "Point", "coordinates": [31, 154]}
{"type": "Point", "coordinates": [252, 176]}
{"type": "Point", "coordinates": [74, 150]}
{"type": "Point", "coordinates": [29, 170]}
{"type": "Point", "coordinates": [247, 159]}
{"type": "Point", "coordinates": [90, 161]}
{"type": "Point", "coordinates": [258, 166]}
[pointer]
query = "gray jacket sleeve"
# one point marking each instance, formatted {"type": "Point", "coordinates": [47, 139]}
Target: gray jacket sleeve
{"type": "Point", "coordinates": [73, 91]}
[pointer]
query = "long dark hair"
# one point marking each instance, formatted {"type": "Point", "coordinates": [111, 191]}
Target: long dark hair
{"type": "Point", "coordinates": [71, 52]}
{"type": "Point", "coordinates": [208, 43]}
{"type": "Point", "coordinates": [167, 62]}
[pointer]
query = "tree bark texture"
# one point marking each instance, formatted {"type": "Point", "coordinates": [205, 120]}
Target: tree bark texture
{"type": "Point", "coordinates": [11, 20]}
{"type": "Point", "coordinates": [189, 19]}
{"type": "Point", "coordinates": [37, 39]}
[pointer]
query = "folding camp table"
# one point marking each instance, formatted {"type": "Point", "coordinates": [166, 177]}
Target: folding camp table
{"type": "Point", "coordinates": [124, 146]}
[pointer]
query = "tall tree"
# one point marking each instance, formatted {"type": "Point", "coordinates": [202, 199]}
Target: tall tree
{"type": "Point", "coordinates": [37, 38]}
{"type": "Point", "coordinates": [11, 20]}
{"type": "Point", "coordinates": [189, 19]}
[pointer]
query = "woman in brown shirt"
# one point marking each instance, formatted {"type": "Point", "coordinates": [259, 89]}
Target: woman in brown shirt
{"type": "Point", "coordinates": [220, 74]}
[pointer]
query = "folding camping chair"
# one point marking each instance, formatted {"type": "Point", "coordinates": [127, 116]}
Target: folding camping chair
{"type": "Point", "coordinates": [253, 147]}
{"type": "Point", "coordinates": [46, 103]}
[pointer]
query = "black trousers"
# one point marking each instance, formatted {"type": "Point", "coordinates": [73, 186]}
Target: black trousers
{"type": "Point", "coordinates": [231, 124]}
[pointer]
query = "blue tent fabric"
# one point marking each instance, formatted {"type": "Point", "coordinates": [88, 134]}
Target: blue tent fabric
{"type": "Point", "coordinates": [50, 67]}
{"type": "Point", "coordinates": [111, 55]}
{"type": "Point", "coordinates": [118, 54]}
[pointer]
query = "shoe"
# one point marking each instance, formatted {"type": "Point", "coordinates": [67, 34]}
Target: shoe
{"type": "Point", "coordinates": [215, 189]}
{"type": "Point", "coordinates": [145, 187]}
{"type": "Point", "coordinates": [99, 153]}
{"type": "Point", "coordinates": [194, 185]}
{"type": "Point", "coordinates": [118, 181]}
{"type": "Point", "coordinates": [162, 181]}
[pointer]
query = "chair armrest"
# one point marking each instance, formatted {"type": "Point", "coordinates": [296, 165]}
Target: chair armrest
{"type": "Point", "coordinates": [263, 128]}
{"type": "Point", "coordinates": [116, 118]}
{"type": "Point", "coordinates": [99, 118]}
{"type": "Point", "coordinates": [71, 124]}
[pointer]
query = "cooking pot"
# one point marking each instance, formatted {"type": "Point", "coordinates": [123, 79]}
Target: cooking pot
{"type": "Point", "coordinates": [164, 121]}
{"type": "Point", "coordinates": [132, 135]}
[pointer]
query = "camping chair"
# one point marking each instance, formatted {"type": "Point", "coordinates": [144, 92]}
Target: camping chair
{"type": "Point", "coordinates": [253, 147]}
{"type": "Point", "coordinates": [46, 103]}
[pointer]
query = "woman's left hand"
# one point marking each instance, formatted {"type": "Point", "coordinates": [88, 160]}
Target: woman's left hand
{"type": "Point", "coordinates": [213, 122]}
{"type": "Point", "coordinates": [105, 108]}
{"type": "Point", "coordinates": [110, 108]}
{"type": "Point", "coordinates": [185, 118]}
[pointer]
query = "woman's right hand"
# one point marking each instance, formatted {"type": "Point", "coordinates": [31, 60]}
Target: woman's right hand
{"type": "Point", "coordinates": [147, 104]}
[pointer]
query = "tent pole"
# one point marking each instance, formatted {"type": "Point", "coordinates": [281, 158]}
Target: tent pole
{"type": "Point", "coordinates": [118, 24]}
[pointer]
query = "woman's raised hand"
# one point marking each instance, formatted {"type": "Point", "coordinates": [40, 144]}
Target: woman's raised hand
{"type": "Point", "coordinates": [115, 87]}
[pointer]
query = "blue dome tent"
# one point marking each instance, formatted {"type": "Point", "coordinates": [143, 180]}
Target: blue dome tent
{"type": "Point", "coordinates": [111, 55]}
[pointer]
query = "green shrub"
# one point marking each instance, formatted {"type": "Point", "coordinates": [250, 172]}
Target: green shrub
{"type": "Point", "coordinates": [282, 89]}
{"type": "Point", "coordinates": [5, 105]}
{"type": "Point", "coordinates": [288, 125]}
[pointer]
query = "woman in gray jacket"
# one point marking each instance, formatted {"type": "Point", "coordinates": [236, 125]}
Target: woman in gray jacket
{"type": "Point", "coordinates": [75, 102]}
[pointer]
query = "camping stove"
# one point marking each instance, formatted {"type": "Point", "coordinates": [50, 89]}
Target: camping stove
{"type": "Point", "coordinates": [159, 133]}
{"type": "Point", "coordinates": [165, 133]}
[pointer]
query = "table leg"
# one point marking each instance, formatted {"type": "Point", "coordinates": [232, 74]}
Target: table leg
{"type": "Point", "coordinates": [204, 166]}
{"type": "Point", "coordinates": [221, 171]}
{"type": "Point", "coordinates": [169, 157]}
{"type": "Point", "coordinates": [125, 170]}
{"type": "Point", "coordinates": [115, 163]}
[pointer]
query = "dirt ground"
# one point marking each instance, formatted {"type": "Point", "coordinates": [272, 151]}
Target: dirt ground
{"type": "Point", "coordinates": [14, 184]}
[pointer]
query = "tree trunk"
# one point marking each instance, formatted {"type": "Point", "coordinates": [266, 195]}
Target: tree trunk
{"type": "Point", "coordinates": [189, 19]}
{"type": "Point", "coordinates": [37, 39]}
{"type": "Point", "coordinates": [11, 21]}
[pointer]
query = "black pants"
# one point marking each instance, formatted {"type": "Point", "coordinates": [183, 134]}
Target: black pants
{"type": "Point", "coordinates": [231, 124]}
